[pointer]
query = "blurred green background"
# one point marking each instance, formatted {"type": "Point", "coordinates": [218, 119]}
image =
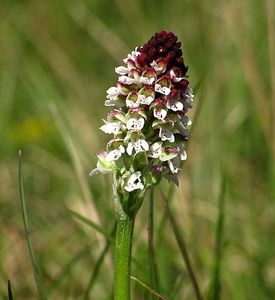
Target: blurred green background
{"type": "Point", "coordinates": [57, 59]}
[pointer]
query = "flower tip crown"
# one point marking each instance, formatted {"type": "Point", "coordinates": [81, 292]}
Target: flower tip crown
{"type": "Point", "coordinates": [163, 45]}
{"type": "Point", "coordinates": [148, 123]}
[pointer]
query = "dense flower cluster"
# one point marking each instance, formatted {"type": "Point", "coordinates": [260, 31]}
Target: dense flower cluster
{"type": "Point", "coordinates": [148, 121]}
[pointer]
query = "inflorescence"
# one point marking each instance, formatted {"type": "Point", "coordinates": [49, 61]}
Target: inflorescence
{"type": "Point", "coordinates": [148, 121]}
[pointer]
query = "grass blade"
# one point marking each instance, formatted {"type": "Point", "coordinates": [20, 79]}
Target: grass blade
{"type": "Point", "coordinates": [183, 248]}
{"type": "Point", "coordinates": [98, 264]}
{"type": "Point", "coordinates": [152, 291]}
{"type": "Point", "coordinates": [154, 282]}
{"type": "Point", "coordinates": [10, 296]}
{"type": "Point", "coordinates": [216, 280]}
{"type": "Point", "coordinates": [88, 200]}
{"type": "Point", "coordinates": [91, 224]}
{"type": "Point", "coordinates": [37, 278]}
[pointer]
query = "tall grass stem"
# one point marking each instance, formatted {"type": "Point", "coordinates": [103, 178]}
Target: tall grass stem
{"type": "Point", "coordinates": [40, 288]}
{"type": "Point", "coordinates": [183, 248]}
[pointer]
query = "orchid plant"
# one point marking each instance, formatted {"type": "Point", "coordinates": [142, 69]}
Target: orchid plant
{"type": "Point", "coordinates": [149, 128]}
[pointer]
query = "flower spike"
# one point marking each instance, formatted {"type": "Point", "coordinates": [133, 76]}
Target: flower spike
{"type": "Point", "coordinates": [149, 122]}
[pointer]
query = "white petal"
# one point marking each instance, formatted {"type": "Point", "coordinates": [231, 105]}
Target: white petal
{"type": "Point", "coordinates": [112, 91]}
{"type": "Point", "coordinates": [144, 145]}
{"type": "Point", "coordinates": [141, 146]}
{"type": "Point", "coordinates": [183, 155]}
{"type": "Point", "coordinates": [113, 155]}
{"type": "Point", "coordinates": [135, 124]}
{"type": "Point", "coordinates": [133, 182]}
{"type": "Point", "coordinates": [126, 80]}
{"type": "Point", "coordinates": [121, 70]}
{"type": "Point", "coordinates": [130, 148]}
{"type": "Point", "coordinates": [110, 128]}
{"type": "Point", "coordinates": [121, 149]}
{"type": "Point", "coordinates": [175, 106]}
{"type": "Point", "coordinates": [145, 100]}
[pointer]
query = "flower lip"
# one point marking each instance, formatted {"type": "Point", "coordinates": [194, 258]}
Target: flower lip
{"type": "Point", "coordinates": [139, 145]}
{"type": "Point", "coordinates": [132, 182]}
{"type": "Point", "coordinates": [135, 124]}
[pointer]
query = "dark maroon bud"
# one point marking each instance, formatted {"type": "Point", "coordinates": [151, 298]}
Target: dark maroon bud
{"type": "Point", "coordinates": [163, 45]}
{"type": "Point", "coordinates": [142, 59]}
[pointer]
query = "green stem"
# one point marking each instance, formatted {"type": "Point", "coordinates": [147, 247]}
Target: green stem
{"type": "Point", "coordinates": [123, 247]}
{"type": "Point", "coordinates": [151, 251]}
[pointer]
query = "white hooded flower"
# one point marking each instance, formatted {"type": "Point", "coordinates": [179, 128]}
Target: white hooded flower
{"type": "Point", "coordinates": [163, 85]}
{"type": "Point", "coordinates": [155, 150]}
{"type": "Point", "coordinates": [112, 92]}
{"type": "Point", "coordinates": [148, 77]}
{"type": "Point", "coordinates": [132, 100]}
{"type": "Point", "coordinates": [146, 95]}
{"type": "Point", "coordinates": [166, 134]}
{"type": "Point", "coordinates": [160, 113]}
{"type": "Point", "coordinates": [115, 154]}
{"type": "Point", "coordinates": [132, 182]}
